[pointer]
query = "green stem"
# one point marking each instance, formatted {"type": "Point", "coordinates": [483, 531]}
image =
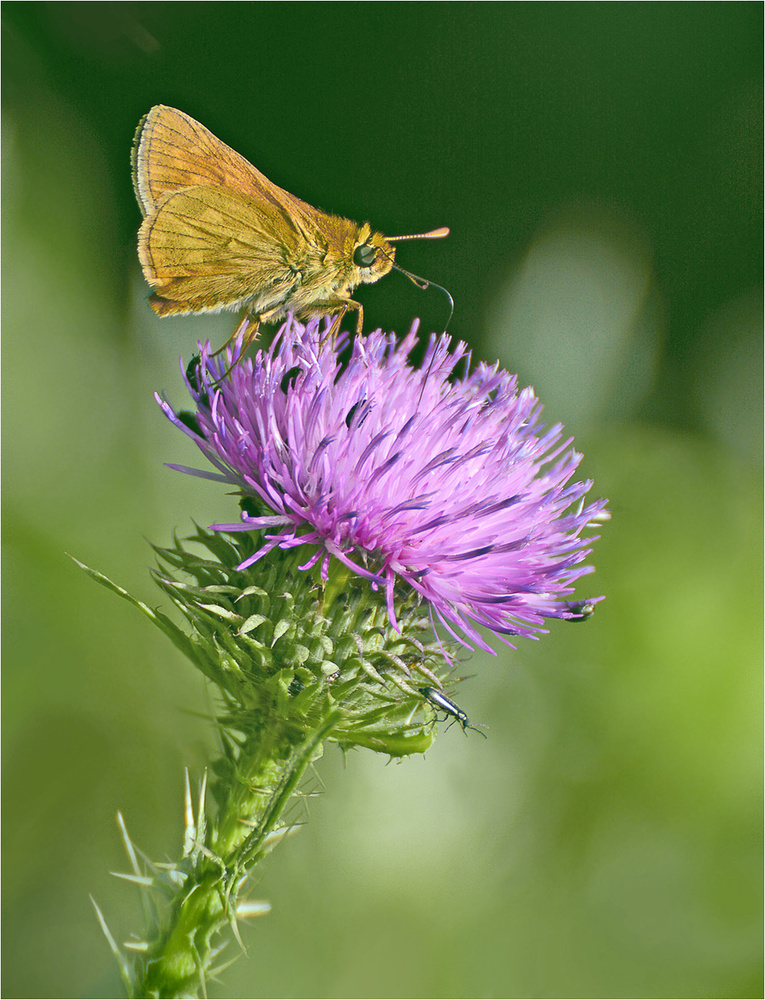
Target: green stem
{"type": "Point", "coordinates": [249, 850]}
{"type": "Point", "coordinates": [179, 959]}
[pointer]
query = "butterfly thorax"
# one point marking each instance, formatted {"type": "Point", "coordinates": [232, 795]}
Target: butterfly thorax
{"type": "Point", "coordinates": [329, 264]}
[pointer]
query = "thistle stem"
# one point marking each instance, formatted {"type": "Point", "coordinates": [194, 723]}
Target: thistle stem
{"type": "Point", "coordinates": [179, 958]}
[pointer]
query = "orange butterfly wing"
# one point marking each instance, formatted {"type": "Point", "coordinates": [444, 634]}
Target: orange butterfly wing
{"type": "Point", "coordinates": [173, 151]}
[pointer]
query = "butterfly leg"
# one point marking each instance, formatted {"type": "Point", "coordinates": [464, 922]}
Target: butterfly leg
{"type": "Point", "coordinates": [335, 328]}
{"type": "Point", "coordinates": [249, 336]}
{"type": "Point", "coordinates": [343, 306]}
{"type": "Point", "coordinates": [353, 304]}
{"type": "Point", "coordinates": [360, 318]}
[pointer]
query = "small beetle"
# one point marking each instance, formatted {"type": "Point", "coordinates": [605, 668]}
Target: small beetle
{"type": "Point", "coordinates": [581, 610]}
{"type": "Point", "coordinates": [439, 700]}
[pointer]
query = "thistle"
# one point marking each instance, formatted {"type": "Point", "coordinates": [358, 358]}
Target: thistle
{"type": "Point", "coordinates": [386, 513]}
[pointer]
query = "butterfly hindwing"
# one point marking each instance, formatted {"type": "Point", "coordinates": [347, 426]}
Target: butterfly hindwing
{"type": "Point", "coordinates": [203, 245]}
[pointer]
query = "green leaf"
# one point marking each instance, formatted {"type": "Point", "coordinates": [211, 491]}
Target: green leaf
{"type": "Point", "coordinates": [176, 634]}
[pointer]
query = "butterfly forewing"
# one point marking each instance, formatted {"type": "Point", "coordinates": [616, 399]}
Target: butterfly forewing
{"type": "Point", "coordinates": [173, 151]}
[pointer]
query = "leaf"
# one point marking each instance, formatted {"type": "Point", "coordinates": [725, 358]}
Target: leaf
{"type": "Point", "coordinates": [174, 633]}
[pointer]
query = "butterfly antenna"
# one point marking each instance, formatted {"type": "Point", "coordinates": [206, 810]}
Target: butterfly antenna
{"type": "Point", "coordinates": [434, 234]}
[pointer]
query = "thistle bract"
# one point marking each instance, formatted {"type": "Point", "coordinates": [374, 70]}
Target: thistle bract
{"type": "Point", "coordinates": [446, 481]}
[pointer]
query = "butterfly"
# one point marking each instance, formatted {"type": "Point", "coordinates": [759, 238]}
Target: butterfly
{"type": "Point", "coordinates": [217, 234]}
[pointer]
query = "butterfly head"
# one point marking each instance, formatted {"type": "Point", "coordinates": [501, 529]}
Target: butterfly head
{"type": "Point", "coordinates": [372, 256]}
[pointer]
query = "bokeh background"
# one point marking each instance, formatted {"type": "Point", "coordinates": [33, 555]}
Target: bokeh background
{"type": "Point", "coordinates": [600, 168]}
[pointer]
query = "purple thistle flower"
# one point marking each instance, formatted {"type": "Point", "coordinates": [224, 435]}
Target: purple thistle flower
{"type": "Point", "coordinates": [455, 487]}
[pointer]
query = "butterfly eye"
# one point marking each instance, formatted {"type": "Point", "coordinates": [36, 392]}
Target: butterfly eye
{"type": "Point", "coordinates": [364, 255]}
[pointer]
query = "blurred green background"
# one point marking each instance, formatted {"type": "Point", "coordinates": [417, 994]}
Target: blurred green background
{"type": "Point", "coordinates": [600, 168]}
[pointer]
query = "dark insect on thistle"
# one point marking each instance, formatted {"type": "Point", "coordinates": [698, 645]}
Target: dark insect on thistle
{"type": "Point", "coordinates": [288, 379]}
{"type": "Point", "coordinates": [360, 407]}
{"type": "Point", "coordinates": [580, 610]}
{"type": "Point", "coordinates": [194, 380]}
{"type": "Point", "coordinates": [189, 419]}
{"type": "Point", "coordinates": [441, 703]}
{"type": "Point", "coordinates": [192, 373]}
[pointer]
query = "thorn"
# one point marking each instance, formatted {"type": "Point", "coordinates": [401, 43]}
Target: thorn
{"type": "Point", "coordinates": [218, 950]}
{"type": "Point", "coordinates": [237, 935]}
{"type": "Point", "coordinates": [128, 844]}
{"type": "Point", "coordinates": [123, 966]}
{"type": "Point", "coordinates": [189, 824]}
{"type": "Point", "coordinates": [318, 777]}
{"type": "Point", "coordinates": [202, 978]}
{"type": "Point", "coordinates": [136, 945]}
{"type": "Point", "coordinates": [201, 820]}
{"type": "Point", "coordinates": [250, 908]}
{"type": "Point", "coordinates": [142, 880]}
{"type": "Point", "coordinates": [216, 972]}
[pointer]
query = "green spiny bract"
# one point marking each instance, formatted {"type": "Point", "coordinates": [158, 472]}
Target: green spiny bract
{"type": "Point", "coordinates": [284, 647]}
